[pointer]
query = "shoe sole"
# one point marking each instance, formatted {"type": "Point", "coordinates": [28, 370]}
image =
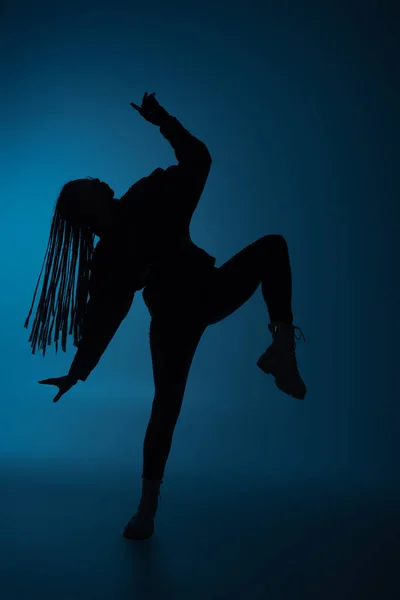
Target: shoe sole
{"type": "Point", "coordinates": [133, 533]}
{"type": "Point", "coordinates": [268, 371]}
{"type": "Point", "coordinates": [136, 537]}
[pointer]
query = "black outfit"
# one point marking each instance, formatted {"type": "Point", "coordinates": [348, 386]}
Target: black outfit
{"type": "Point", "coordinates": [183, 290]}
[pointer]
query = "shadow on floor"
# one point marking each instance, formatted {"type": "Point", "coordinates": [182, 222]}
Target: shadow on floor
{"type": "Point", "coordinates": [61, 537]}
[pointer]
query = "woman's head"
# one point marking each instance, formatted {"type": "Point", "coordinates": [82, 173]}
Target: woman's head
{"type": "Point", "coordinates": [84, 208]}
{"type": "Point", "coordinates": [87, 203]}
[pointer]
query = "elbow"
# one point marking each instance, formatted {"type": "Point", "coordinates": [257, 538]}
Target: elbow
{"type": "Point", "coordinates": [206, 156]}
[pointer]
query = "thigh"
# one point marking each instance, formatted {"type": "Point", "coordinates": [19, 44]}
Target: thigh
{"type": "Point", "coordinates": [173, 343]}
{"type": "Point", "coordinates": [177, 297]}
{"type": "Point", "coordinates": [235, 282]}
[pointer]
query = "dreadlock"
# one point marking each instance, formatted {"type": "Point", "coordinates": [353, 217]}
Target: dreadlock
{"type": "Point", "coordinates": [68, 239]}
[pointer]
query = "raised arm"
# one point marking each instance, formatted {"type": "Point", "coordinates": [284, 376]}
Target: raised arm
{"type": "Point", "coordinates": [188, 149]}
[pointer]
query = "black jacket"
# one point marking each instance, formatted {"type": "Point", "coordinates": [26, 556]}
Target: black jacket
{"type": "Point", "coordinates": [153, 234]}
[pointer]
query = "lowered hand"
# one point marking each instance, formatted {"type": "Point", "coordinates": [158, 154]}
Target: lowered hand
{"type": "Point", "coordinates": [64, 384]}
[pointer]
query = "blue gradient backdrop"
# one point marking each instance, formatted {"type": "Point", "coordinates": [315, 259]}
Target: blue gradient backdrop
{"type": "Point", "coordinates": [297, 103]}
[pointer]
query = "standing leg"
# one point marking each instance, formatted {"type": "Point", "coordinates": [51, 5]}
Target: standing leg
{"type": "Point", "coordinates": [264, 262]}
{"type": "Point", "coordinates": [173, 343]}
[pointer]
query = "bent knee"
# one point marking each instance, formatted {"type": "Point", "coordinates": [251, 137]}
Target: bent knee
{"type": "Point", "coordinates": [274, 239]}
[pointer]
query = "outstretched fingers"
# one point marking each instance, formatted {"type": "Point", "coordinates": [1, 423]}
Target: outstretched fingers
{"type": "Point", "coordinates": [56, 399]}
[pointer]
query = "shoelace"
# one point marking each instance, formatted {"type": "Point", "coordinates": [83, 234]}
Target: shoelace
{"type": "Point", "coordinates": [301, 334]}
{"type": "Point", "coordinates": [271, 328]}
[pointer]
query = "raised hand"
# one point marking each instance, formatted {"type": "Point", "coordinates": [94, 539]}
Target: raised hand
{"type": "Point", "coordinates": [64, 384]}
{"type": "Point", "coordinates": [151, 110]}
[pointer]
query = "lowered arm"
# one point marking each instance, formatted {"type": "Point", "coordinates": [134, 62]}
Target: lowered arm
{"type": "Point", "coordinates": [108, 306]}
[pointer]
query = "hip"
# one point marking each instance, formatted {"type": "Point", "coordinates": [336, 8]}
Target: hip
{"type": "Point", "coordinates": [179, 290]}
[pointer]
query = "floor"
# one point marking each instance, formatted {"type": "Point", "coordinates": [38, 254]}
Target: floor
{"type": "Point", "coordinates": [61, 537]}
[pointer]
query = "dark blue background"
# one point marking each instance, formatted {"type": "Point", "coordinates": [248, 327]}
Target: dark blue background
{"type": "Point", "coordinates": [297, 104]}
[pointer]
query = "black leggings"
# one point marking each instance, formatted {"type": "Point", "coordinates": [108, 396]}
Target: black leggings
{"type": "Point", "coordinates": [181, 313]}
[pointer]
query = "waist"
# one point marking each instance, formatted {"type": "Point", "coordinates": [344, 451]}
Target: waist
{"type": "Point", "coordinates": [177, 266]}
{"type": "Point", "coordinates": [182, 254]}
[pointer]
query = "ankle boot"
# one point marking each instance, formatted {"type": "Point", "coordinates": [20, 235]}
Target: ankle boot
{"type": "Point", "coordinates": [141, 525]}
{"type": "Point", "coordinates": [279, 360]}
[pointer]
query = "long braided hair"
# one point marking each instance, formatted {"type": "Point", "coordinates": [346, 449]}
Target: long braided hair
{"type": "Point", "coordinates": [70, 236]}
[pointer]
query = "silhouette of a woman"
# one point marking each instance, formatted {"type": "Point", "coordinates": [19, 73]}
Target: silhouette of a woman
{"type": "Point", "coordinates": [145, 244]}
